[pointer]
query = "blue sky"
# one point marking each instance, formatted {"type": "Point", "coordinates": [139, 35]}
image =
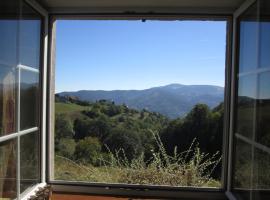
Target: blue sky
{"type": "Point", "coordinates": [93, 55]}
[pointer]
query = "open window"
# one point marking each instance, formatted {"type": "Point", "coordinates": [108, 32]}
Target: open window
{"type": "Point", "coordinates": [119, 137]}
{"type": "Point", "coordinates": [139, 102]}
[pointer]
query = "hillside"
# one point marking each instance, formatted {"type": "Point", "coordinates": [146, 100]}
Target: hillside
{"type": "Point", "coordinates": [117, 144]}
{"type": "Point", "coordinates": [172, 100]}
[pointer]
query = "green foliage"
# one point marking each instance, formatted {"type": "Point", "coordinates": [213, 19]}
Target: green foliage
{"type": "Point", "coordinates": [112, 110]}
{"type": "Point", "coordinates": [126, 140]}
{"type": "Point", "coordinates": [88, 150]}
{"type": "Point", "coordinates": [65, 108]}
{"type": "Point", "coordinates": [66, 148]}
{"type": "Point", "coordinates": [63, 129]}
{"type": "Point", "coordinates": [161, 169]}
{"type": "Point", "coordinates": [116, 139]}
{"type": "Point", "coordinates": [98, 127]}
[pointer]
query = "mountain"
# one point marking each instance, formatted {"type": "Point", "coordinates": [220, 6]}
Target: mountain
{"type": "Point", "coordinates": [172, 100]}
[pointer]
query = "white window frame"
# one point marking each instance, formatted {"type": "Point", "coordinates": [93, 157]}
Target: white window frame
{"type": "Point", "coordinates": [132, 189]}
{"type": "Point", "coordinates": [235, 62]}
{"type": "Point", "coordinates": [42, 114]}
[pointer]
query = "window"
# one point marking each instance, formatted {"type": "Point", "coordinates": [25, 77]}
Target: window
{"type": "Point", "coordinates": [20, 30]}
{"type": "Point", "coordinates": [145, 105]}
{"type": "Point", "coordinates": [139, 102]}
{"type": "Point", "coordinates": [251, 178]}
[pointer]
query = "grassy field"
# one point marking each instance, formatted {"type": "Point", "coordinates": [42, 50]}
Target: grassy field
{"type": "Point", "coordinates": [64, 108]}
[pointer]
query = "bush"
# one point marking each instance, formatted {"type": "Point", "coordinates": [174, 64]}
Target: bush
{"type": "Point", "coordinates": [63, 127]}
{"type": "Point", "coordinates": [88, 151]}
{"type": "Point", "coordinates": [126, 140]}
{"type": "Point", "coordinates": [66, 148]}
{"type": "Point", "coordinates": [161, 169]}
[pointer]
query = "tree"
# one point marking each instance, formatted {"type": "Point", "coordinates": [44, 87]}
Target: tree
{"type": "Point", "coordinates": [66, 147]}
{"type": "Point", "coordinates": [99, 127]}
{"type": "Point", "coordinates": [81, 128]}
{"type": "Point", "coordinates": [88, 150]}
{"type": "Point", "coordinates": [127, 142]}
{"type": "Point", "coordinates": [63, 128]}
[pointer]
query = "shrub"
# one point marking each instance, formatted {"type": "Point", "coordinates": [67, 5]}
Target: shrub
{"type": "Point", "coordinates": [88, 150]}
{"type": "Point", "coordinates": [161, 169]}
{"type": "Point", "coordinates": [125, 139]}
{"type": "Point", "coordinates": [66, 148]}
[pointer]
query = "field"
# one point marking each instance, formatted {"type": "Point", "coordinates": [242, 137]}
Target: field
{"type": "Point", "coordinates": [64, 108]}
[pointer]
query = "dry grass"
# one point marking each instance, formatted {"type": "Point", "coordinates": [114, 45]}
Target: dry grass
{"type": "Point", "coordinates": [189, 168]}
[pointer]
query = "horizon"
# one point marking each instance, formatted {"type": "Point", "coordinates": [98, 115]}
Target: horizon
{"type": "Point", "coordinates": [133, 55]}
{"type": "Point", "coordinates": [140, 89]}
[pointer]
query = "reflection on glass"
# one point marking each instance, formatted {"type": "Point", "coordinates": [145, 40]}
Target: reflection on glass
{"type": "Point", "coordinates": [248, 40]}
{"type": "Point", "coordinates": [30, 30]}
{"type": "Point", "coordinates": [8, 42]}
{"type": "Point", "coordinates": [243, 165]}
{"type": "Point", "coordinates": [263, 110]}
{"type": "Point", "coordinates": [246, 105]}
{"type": "Point", "coordinates": [264, 45]}
{"type": "Point", "coordinates": [7, 100]}
{"type": "Point", "coordinates": [252, 158]}
{"type": "Point", "coordinates": [8, 170]}
{"type": "Point", "coordinates": [261, 170]}
{"type": "Point", "coordinates": [29, 99]}
{"type": "Point", "coordinates": [30, 173]}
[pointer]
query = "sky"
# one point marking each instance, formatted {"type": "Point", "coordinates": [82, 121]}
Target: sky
{"type": "Point", "coordinates": [122, 54]}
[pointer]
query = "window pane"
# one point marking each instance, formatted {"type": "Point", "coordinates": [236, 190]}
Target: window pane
{"type": "Point", "coordinates": [30, 160]}
{"type": "Point", "coordinates": [263, 110]}
{"type": "Point", "coordinates": [8, 30]}
{"type": "Point", "coordinates": [30, 30]}
{"type": "Point", "coordinates": [264, 34]}
{"type": "Point", "coordinates": [7, 100]}
{"type": "Point", "coordinates": [8, 170]}
{"type": "Point", "coordinates": [261, 170]}
{"type": "Point", "coordinates": [246, 105]}
{"type": "Point", "coordinates": [29, 99]}
{"type": "Point", "coordinates": [243, 165]}
{"type": "Point", "coordinates": [248, 57]}
{"type": "Point", "coordinates": [8, 60]}
{"type": "Point", "coordinates": [8, 42]}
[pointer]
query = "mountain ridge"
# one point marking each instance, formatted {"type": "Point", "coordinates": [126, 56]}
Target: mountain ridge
{"type": "Point", "coordinates": [172, 100]}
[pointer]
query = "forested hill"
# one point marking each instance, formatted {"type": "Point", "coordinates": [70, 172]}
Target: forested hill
{"type": "Point", "coordinates": [174, 100]}
{"type": "Point", "coordinates": [101, 135]}
{"type": "Point", "coordinates": [120, 127]}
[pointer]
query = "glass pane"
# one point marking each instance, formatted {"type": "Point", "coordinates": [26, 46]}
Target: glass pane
{"type": "Point", "coordinates": [30, 30]}
{"type": "Point", "coordinates": [30, 156]}
{"type": "Point", "coordinates": [8, 42]}
{"type": "Point", "coordinates": [261, 170]}
{"type": "Point", "coordinates": [248, 40]}
{"type": "Point", "coordinates": [264, 34]}
{"type": "Point", "coordinates": [251, 171]}
{"type": "Point", "coordinates": [243, 165]}
{"type": "Point", "coordinates": [7, 100]}
{"type": "Point", "coordinates": [246, 105]}
{"type": "Point", "coordinates": [8, 171]}
{"type": "Point", "coordinates": [29, 99]}
{"type": "Point", "coordinates": [8, 31]}
{"type": "Point", "coordinates": [263, 110]}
